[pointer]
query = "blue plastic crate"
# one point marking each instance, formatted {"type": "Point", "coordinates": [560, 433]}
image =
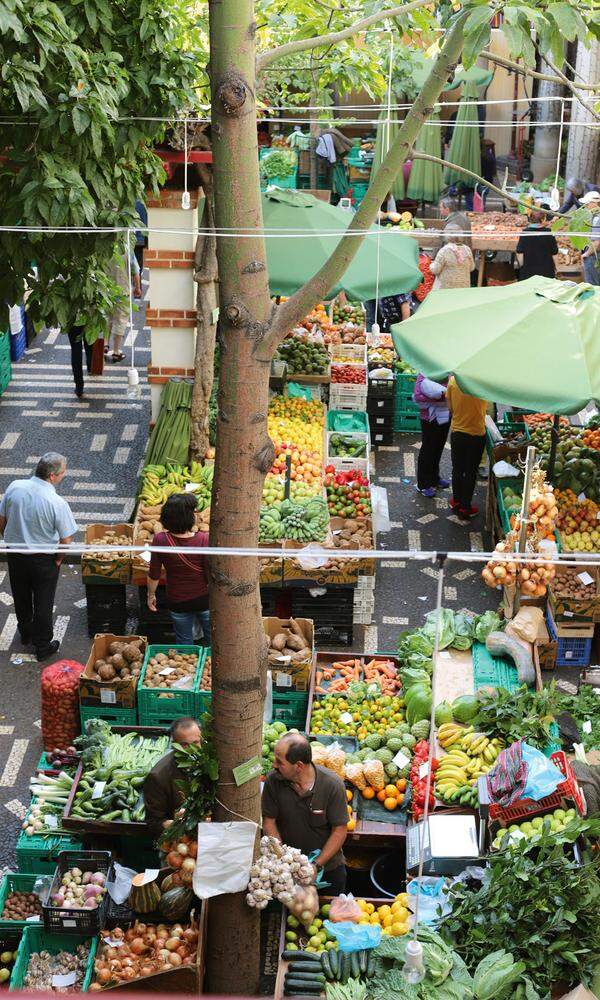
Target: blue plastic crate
{"type": "Point", "coordinates": [574, 652]}
{"type": "Point", "coordinates": [18, 343]}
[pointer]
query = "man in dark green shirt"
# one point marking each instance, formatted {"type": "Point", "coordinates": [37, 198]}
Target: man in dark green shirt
{"type": "Point", "coordinates": [304, 805]}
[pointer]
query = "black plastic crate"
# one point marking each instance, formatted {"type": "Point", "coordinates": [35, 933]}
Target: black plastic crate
{"type": "Point", "coordinates": [381, 423]}
{"type": "Point", "coordinates": [334, 608]}
{"type": "Point", "coordinates": [382, 387]}
{"type": "Point", "coordinates": [99, 624]}
{"type": "Point", "coordinates": [334, 635]}
{"type": "Point", "coordinates": [380, 405]}
{"type": "Point", "coordinates": [382, 437]}
{"type": "Point", "coordinates": [79, 921]}
{"type": "Point", "coordinates": [101, 597]}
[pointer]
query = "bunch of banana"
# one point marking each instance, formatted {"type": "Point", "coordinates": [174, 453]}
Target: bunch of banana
{"type": "Point", "coordinates": [479, 745]}
{"type": "Point", "coordinates": [270, 525]}
{"type": "Point", "coordinates": [450, 733]}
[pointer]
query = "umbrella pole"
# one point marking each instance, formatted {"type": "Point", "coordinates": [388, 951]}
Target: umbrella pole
{"type": "Point", "coordinates": [554, 439]}
{"type": "Point", "coordinates": [529, 464]}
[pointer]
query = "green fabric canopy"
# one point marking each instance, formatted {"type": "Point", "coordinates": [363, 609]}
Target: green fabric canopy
{"type": "Point", "coordinates": [465, 145]}
{"type": "Point", "coordinates": [292, 261]}
{"type": "Point", "coordinates": [425, 181]}
{"type": "Point", "coordinates": [475, 75]}
{"type": "Point", "coordinates": [386, 136]}
{"type": "Point", "coordinates": [533, 344]}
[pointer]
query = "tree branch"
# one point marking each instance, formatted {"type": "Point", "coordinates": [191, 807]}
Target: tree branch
{"type": "Point", "coordinates": [291, 311]}
{"type": "Point", "coordinates": [302, 44]}
{"type": "Point", "coordinates": [574, 88]}
{"type": "Point", "coordinates": [525, 71]}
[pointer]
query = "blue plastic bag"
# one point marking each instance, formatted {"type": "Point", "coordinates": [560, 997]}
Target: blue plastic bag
{"type": "Point", "coordinates": [296, 391]}
{"type": "Point", "coordinates": [353, 937]}
{"type": "Point", "coordinates": [543, 777]}
{"type": "Point", "coordinates": [431, 897]}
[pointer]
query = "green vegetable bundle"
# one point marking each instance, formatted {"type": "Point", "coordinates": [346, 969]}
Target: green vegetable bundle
{"type": "Point", "coordinates": [277, 164]}
{"type": "Point", "coordinates": [521, 714]}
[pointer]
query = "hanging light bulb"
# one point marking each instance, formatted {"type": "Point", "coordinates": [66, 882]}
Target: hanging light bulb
{"type": "Point", "coordinates": [185, 199]}
{"type": "Point", "coordinates": [413, 970]}
{"type": "Point", "coordinates": [375, 328]}
{"type": "Point", "coordinates": [185, 196]}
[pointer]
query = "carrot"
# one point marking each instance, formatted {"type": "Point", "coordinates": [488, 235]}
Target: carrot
{"type": "Point", "coordinates": [321, 690]}
{"type": "Point", "coordinates": [319, 677]}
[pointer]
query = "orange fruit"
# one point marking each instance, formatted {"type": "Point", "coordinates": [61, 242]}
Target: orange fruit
{"type": "Point", "coordinates": [368, 792]}
{"type": "Point", "coordinates": [350, 825]}
{"type": "Point", "coordinates": [390, 803]}
{"type": "Point", "coordinates": [399, 798]}
{"type": "Point", "coordinates": [381, 795]}
{"type": "Point", "coordinates": [391, 791]}
{"type": "Point", "coordinates": [401, 784]}
{"type": "Point", "coordinates": [349, 795]}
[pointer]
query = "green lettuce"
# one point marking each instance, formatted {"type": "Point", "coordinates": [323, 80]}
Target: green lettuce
{"type": "Point", "coordinates": [447, 633]}
{"type": "Point", "coordinates": [488, 622]}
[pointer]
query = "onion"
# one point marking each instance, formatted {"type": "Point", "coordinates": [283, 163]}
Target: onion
{"type": "Point", "coordinates": [175, 959]}
{"type": "Point", "coordinates": [129, 974]}
{"type": "Point", "coordinates": [189, 960]}
{"type": "Point", "coordinates": [140, 928]}
{"type": "Point", "coordinates": [182, 951]}
{"type": "Point", "coordinates": [138, 946]}
{"type": "Point", "coordinates": [188, 865]}
{"type": "Point", "coordinates": [117, 933]}
{"type": "Point", "coordinates": [86, 878]}
{"type": "Point", "coordinates": [163, 954]}
{"type": "Point", "coordinates": [172, 944]}
{"type": "Point", "coordinates": [94, 987]}
{"type": "Point", "coordinates": [90, 904]}
{"type": "Point", "coordinates": [98, 878]}
{"type": "Point", "coordinates": [58, 898]}
{"type": "Point", "coordinates": [183, 850]}
{"type": "Point", "coordinates": [104, 976]}
{"type": "Point", "coordinates": [190, 934]}
{"type": "Point", "coordinates": [176, 930]}
{"type": "Point", "coordinates": [160, 942]}
{"type": "Point", "coordinates": [127, 963]}
{"type": "Point", "coordinates": [111, 953]}
{"type": "Point", "coordinates": [147, 970]}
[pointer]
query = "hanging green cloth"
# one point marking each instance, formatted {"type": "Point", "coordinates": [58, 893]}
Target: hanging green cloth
{"type": "Point", "coordinates": [465, 145]}
{"type": "Point", "coordinates": [170, 437]}
{"type": "Point", "coordinates": [386, 135]}
{"type": "Point", "coordinates": [425, 181]}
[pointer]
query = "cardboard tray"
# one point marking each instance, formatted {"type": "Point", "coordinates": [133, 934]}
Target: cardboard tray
{"type": "Point", "coordinates": [121, 693]}
{"type": "Point", "coordinates": [91, 826]}
{"type": "Point", "coordinates": [568, 611]}
{"type": "Point", "coordinates": [299, 672]}
{"type": "Point", "coordinates": [347, 573]}
{"type": "Point", "coordinates": [115, 570]}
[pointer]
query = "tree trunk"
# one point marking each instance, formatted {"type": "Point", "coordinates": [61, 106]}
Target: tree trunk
{"type": "Point", "coordinates": [206, 276]}
{"type": "Point", "coordinates": [244, 455]}
{"type": "Point", "coordinates": [545, 148]}
{"type": "Point", "coordinates": [583, 151]}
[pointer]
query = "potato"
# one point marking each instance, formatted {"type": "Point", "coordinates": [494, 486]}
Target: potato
{"type": "Point", "coordinates": [295, 643]}
{"type": "Point", "coordinates": [118, 661]}
{"type": "Point", "coordinates": [107, 672]}
{"type": "Point", "coordinates": [279, 641]}
{"type": "Point", "coordinates": [131, 652]}
{"type": "Point", "coordinates": [116, 647]}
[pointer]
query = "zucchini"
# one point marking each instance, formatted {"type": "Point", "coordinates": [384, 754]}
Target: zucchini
{"type": "Point", "coordinates": [362, 961]}
{"type": "Point", "coordinates": [299, 956]}
{"type": "Point", "coordinates": [334, 961]}
{"type": "Point", "coordinates": [370, 964]}
{"type": "Point", "coordinates": [299, 987]}
{"type": "Point", "coordinates": [354, 965]}
{"type": "Point", "coordinates": [313, 968]}
{"type": "Point", "coordinates": [344, 967]}
{"type": "Point", "coordinates": [309, 977]}
{"type": "Point", "coordinates": [326, 964]}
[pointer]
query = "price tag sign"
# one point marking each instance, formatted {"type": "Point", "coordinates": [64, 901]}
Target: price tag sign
{"type": "Point", "coordinates": [581, 496]}
{"type": "Point", "coordinates": [114, 942]}
{"type": "Point", "coordinates": [98, 789]}
{"type": "Point", "coordinates": [444, 654]}
{"type": "Point", "coordinates": [284, 659]}
{"type": "Point", "coordinates": [108, 697]}
{"type": "Point", "coordinates": [166, 671]}
{"type": "Point", "coordinates": [587, 726]}
{"type": "Point", "coordinates": [51, 821]}
{"type": "Point", "coordinates": [283, 680]}
{"type": "Point", "coordinates": [245, 772]}
{"type": "Point", "coordinates": [35, 919]}
{"type": "Point", "coordinates": [346, 718]}
{"type": "Point", "coordinates": [149, 875]}
{"type": "Point", "coordinates": [585, 578]}
{"type": "Point", "coordinates": [69, 979]}
{"type": "Point", "coordinates": [401, 760]}
{"type": "Point", "coordinates": [568, 614]}
{"type": "Point", "coordinates": [424, 769]}
{"type": "Point", "coordinates": [183, 682]}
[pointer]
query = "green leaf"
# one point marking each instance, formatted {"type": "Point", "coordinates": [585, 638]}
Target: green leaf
{"type": "Point", "coordinates": [81, 119]}
{"type": "Point", "coordinates": [475, 41]}
{"type": "Point", "coordinates": [568, 20]}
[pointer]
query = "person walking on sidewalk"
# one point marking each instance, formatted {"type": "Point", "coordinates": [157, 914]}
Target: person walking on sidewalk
{"type": "Point", "coordinates": [467, 441]}
{"type": "Point", "coordinates": [430, 397]}
{"type": "Point", "coordinates": [79, 345]}
{"type": "Point", "coordinates": [33, 514]}
{"type": "Point", "coordinates": [118, 321]}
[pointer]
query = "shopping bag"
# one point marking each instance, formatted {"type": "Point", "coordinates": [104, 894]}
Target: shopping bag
{"type": "Point", "coordinates": [225, 855]}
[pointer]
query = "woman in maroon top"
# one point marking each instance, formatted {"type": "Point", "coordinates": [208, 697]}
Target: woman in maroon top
{"type": "Point", "coordinates": [187, 576]}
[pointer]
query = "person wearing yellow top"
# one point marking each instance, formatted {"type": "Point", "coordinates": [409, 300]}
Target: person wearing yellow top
{"type": "Point", "coordinates": [467, 441]}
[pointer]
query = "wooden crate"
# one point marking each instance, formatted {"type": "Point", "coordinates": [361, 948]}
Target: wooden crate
{"type": "Point", "coordinates": [106, 570]}
{"type": "Point", "coordinates": [121, 692]}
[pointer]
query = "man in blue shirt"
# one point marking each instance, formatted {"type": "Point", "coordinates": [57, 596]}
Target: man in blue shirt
{"type": "Point", "coordinates": [33, 514]}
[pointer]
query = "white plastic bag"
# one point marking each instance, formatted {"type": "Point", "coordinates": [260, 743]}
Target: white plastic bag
{"type": "Point", "coordinates": [381, 513]}
{"type": "Point", "coordinates": [225, 855]}
{"type": "Point", "coordinates": [268, 706]}
{"type": "Point", "coordinates": [504, 469]}
{"type": "Point", "coordinates": [121, 887]}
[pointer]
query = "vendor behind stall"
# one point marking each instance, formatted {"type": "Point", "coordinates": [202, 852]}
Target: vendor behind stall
{"type": "Point", "coordinates": [162, 795]}
{"type": "Point", "coordinates": [304, 805]}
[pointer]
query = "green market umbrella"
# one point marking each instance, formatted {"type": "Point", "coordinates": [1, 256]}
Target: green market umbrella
{"type": "Point", "coordinates": [475, 75]}
{"type": "Point", "coordinates": [293, 261]}
{"type": "Point", "coordinates": [465, 145]}
{"type": "Point", "coordinates": [386, 135]}
{"type": "Point", "coordinates": [425, 181]}
{"type": "Point", "coordinates": [532, 344]}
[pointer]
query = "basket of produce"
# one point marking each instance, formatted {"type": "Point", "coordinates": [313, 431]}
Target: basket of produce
{"type": "Point", "coordinates": [348, 451]}
{"type": "Point", "coordinates": [57, 760]}
{"type": "Point", "coordinates": [9, 943]}
{"type": "Point", "coordinates": [574, 594]}
{"type": "Point", "coordinates": [351, 354]}
{"type": "Point", "coordinates": [109, 566]}
{"type": "Point", "coordinates": [50, 962]}
{"type": "Point", "coordinates": [20, 900]}
{"type": "Point", "coordinates": [112, 671]}
{"type": "Point", "coordinates": [305, 359]}
{"type": "Point", "coordinates": [77, 902]}
{"type": "Point", "coordinates": [107, 791]}
{"type": "Point", "coordinates": [169, 681]}
{"type": "Point", "coordinates": [291, 650]}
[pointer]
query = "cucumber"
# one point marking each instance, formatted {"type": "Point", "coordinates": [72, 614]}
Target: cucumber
{"type": "Point", "coordinates": [299, 987]}
{"type": "Point", "coordinates": [313, 977]}
{"type": "Point", "coordinates": [326, 964]}
{"type": "Point", "coordinates": [362, 961]}
{"type": "Point", "coordinates": [354, 965]}
{"type": "Point", "coordinates": [334, 961]}
{"type": "Point", "coordinates": [370, 964]}
{"type": "Point", "coordinates": [299, 956]}
{"type": "Point", "coordinates": [344, 967]}
{"type": "Point", "coordinates": [311, 968]}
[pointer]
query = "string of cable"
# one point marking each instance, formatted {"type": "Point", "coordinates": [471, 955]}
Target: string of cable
{"type": "Point", "coordinates": [282, 234]}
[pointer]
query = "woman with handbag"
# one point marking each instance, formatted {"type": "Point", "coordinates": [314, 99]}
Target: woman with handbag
{"type": "Point", "coordinates": [187, 575]}
{"type": "Point", "coordinates": [430, 397]}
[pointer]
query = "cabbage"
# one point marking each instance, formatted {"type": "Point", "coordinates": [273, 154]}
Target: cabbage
{"type": "Point", "coordinates": [486, 623]}
{"type": "Point", "coordinates": [463, 628]}
{"type": "Point", "coordinates": [446, 627]}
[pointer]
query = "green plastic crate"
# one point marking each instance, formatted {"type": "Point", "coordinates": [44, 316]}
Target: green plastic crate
{"type": "Point", "coordinates": [493, 671]}
{"type": "Point", "coordinates": [348, 421]}
{"type": "Point", "coordinates": [15, 882]}
{"type": "Point", "coordinates": [161, 706]}
{"type": "Point", "coordinates": [405, 384]}
{"type": "Point", "coordinates": [112, 714]}
{"type": "Point", "coordinates": [39, 855]}
{"type": "Point", "coordinates": [406, 422]}
{"type": "Point", "coordinates": [290, 708]}
{"type": "Point", "coordinates": [36, 939]}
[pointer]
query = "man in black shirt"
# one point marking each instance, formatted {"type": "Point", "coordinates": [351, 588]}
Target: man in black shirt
{"type": "Point", "coordinates": [536, 252]}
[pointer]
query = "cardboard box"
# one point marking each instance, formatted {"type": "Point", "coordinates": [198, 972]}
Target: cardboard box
{"type": "Point", "coordinates": [544, 649]}
{"type": "Point", "coordinates": [102, 693]}
{"type": "Point", "coordinates": [567, 609]}
{"type": "Point", "coordinates": [298, 672]}
{"type": "Point", "coordinates": [111, 568]}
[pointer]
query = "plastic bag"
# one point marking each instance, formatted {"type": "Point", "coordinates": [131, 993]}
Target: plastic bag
{"type": "Point", "coordinates": [354, 937]}
{"type": "Point", "coordinates": [60, 704]}
{"type": "Point", "coordinates": [431, 897]}
{"type": "Point", "coordinates": [296, 391]}
{"type": "Point", "coordinates": [543, 777]}
{"type": "Point", "coordinates": [345, 907]}
{"type": "Point", "coordinates": [225, 853]}
{"type": "Point", "coordinates": [119, 889]}
{"type": "Point", "coordinates": [268, 706]}
{"type": "Point", "coordinates": [502, 470]}
{"type": "Point", "coordinates": [305, 904]}
{"type": "Point", "coordinates": [381, 513]}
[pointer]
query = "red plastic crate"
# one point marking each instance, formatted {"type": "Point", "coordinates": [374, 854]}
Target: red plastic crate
{"type": "Point", "coordinates": [568, 789]}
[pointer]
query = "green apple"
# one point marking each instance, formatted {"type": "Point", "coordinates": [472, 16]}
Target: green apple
{"type": "Point", "coordinates": [291, 936]}
{"type": "Point", "coordinates": [292, 922]}
{"type": "Point", "coordinates": [4, 975]}
{"type": "Point", "coordinates": [291, 946]}
{"type": "Point", "coordinates": [526, 829]}
{"type": "Point", "coordinates": [315, 941]}
{"type": "Point", "coordinates": [325, 909]}
{"type": "Point", "coordinates": [559, 814]}
{"type": "Point", "coordinates": [513, 829]}
{"type": "Point", "coordinates": [571, 814]}
{"type": "Point", "coordinates": [537, 823]}
{"type": "Point", "coordinates": [313, 929]}
{"type": "Point", "coordinates": [330, 944]}
{"type": "Point", "coordinates": [318, 923]}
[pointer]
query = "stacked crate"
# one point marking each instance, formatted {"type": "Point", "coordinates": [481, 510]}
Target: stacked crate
{"type": "Point", "coordinates": [5, 362]}
{"type": "Point", "coordinates": [380, 407]}
{"type": "Point", "coordinates": [406, 411]}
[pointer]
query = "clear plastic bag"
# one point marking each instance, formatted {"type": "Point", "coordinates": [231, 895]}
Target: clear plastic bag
{"type": "Point", "coordinates": [543, 777]}
{"type": "Point", "coordinates": [345, 908]}
{"type": "Point", "coordinates": [120, 887]}
{"type": "Point", "coordinates": [354, 937]}
{"type": "Point", "coordinates": [305, 904]}
{"type": "Point", "coordinates": [431, 897]}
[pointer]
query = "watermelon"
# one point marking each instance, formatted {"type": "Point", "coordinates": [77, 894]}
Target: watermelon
{"type": "Point", "coordinates": [465, 708]}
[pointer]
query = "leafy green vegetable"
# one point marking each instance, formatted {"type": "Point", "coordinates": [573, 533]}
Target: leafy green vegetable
{"type": "Point", "coordinates": [520, 714]}
{"type": "Point", "coordinates": [584, 706]}
{"type": "Point", "coordinates": [495, 975]}
{"type": "Point", "coordinates": [279, 163]}
{"type": "Point", "coordinates": [352, 990]}
{"type": "Point", "coordinates": [463, 630]}
{"type": "Point", "coordinates": [488, 622]}
{"type": "Point", "coordinates": [447, 632]}
{"type": "Point", "coordinates": [200, 769]}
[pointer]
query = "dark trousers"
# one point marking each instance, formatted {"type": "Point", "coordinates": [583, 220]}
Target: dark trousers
{"type": "Point", "coordinates": [337, 880]}
{"type": "Point", "coordinates": [33, 582]}
{"type": "Point", "coordinates": [466, 451]}
{"type": "Point", "coordinates": [78, 345]}
{"type": "Point", "coordinates": [139, 255]}
{"type": "Point", "coordinates": [433, 439]}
